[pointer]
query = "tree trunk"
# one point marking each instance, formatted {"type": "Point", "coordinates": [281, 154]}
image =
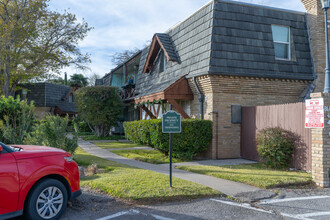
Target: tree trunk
{"type": "Point", "coordinates": [6, 86]}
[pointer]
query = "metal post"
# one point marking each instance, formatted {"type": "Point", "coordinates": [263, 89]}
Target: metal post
{"type": "Point", "coordinates": [327, 70]}
{"type": "Point", "coordinates": [170, 154]}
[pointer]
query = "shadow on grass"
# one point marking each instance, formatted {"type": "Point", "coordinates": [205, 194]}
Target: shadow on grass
{"type": "Point", "coordinates": [239, 173]}
{"type": "Point", "coordinates": [88, 178]}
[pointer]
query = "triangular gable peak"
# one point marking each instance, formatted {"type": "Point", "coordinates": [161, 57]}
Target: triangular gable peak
{"type": "Point", "coordinates": [160, 41]}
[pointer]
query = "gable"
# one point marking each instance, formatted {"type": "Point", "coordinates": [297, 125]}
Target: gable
{"type": "Point", "coordinates": [160, 42]}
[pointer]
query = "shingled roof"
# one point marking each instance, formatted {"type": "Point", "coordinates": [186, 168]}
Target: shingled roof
{"type": "Point", "coordinates": [242, 42]}
{"type": "Point", "coordinates": [49, 95]}
{"type": "Point", "coordinates": [229, 38]}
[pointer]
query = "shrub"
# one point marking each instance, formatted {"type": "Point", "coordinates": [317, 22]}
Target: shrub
{"type": "Point", "coordinates": [16, 119]}
{"type": "Point", "coordinates": [83, 127]}
{"type": "Point", "coordinates": [138, 131]}
{"type": "Point", "coordinates": [194, 138]}
{"type": "Point", "coordinates": [275, 147]}
{"type": "Point", "coordinates": [52, 132]}
{"type": "Point", "coordinates": [100, 107]}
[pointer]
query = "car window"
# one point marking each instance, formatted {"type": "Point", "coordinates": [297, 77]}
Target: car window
{"type": "Point", "coordinates": [4, 148]}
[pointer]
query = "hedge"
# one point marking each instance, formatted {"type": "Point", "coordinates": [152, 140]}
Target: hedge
{"type": "Point", "coordinates": [194, 138]}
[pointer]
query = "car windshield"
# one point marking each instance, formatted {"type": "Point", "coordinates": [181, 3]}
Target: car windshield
{"type": "Point", "coordinates": [15, 149]}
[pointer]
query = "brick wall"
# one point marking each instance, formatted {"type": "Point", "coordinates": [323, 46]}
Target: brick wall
{"type": "Point", "coordinates": [224, 91]}
{"type": "Point", "coordinates": [315, 17]}
{"type": "Point", "coordinates": [321, 148]}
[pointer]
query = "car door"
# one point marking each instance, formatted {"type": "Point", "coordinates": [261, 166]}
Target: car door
{"type": "Point", "coordinates": [9, 182]}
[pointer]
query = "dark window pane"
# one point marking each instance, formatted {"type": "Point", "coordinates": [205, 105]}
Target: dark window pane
{"type": "Point", "coordinates": [281, 50]}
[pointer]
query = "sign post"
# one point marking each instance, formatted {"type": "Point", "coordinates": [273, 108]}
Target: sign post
{"type": "Point", "coordinates": [314, 117]}
{"type": "Point", "coordinates": [171, 123]}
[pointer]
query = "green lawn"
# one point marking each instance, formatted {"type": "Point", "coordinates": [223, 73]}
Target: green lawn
{"type": "Point", "coordinates": [116, 145]}
{"type": "Point", "coordinates": [123, 181]}
{"type": "Point", "coordinates": [149, 156]}
{"type": "Point", "coordinates": [96, 138]}
{"type": "Point", "coordinates": [254, 174]}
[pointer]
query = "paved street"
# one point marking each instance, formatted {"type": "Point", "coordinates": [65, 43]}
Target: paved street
{"type": "Point", "coordinates": [100, 207]}
{"type": "Point", "coordinates": [291, 204]}
{"type": "Point", "coordinates": [301, 207]}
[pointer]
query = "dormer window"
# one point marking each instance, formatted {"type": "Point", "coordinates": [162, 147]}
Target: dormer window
{"type": "Point", "coordinates": [161, 51]}
{"type": "Point", "coordinates": [281, 38]}
{"type": "Point", "coordinates": [163, 62]}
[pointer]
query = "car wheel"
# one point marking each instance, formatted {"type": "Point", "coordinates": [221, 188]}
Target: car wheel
{"type": "Point", "coordinates": [48, 200]}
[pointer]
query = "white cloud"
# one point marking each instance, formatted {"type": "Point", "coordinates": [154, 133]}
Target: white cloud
{"type": "Point", "coordinates": [127, 24]}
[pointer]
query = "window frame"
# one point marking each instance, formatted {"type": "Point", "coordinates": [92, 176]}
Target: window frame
{"type": "Point", "coordinates": [282, 42]}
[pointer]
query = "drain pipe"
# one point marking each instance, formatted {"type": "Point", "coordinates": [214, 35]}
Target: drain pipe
{"type": "Point", "coordinates": [201, 98]}
{"type": "Point", "coordinates": [216, 132]}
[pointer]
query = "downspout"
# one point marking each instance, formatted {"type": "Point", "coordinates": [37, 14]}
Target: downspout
{"type": "Point", "coordinates": [201, 98]}
{"type": "Point", "coordinates": [311, 86]}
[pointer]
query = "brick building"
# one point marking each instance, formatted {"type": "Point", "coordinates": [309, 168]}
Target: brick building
{"type": "Point", "coordinates": [226, 55]}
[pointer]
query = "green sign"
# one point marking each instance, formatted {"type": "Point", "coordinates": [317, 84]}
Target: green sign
{"type": "Point", "coordinates": [171, 122]}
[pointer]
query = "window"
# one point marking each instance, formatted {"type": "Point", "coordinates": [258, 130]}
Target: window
{"type": "Point", "coordinates": [71, 98]}
{"type": "Point", "coordinates": [163, 62]}
{"type": "Point", "coordinates": [281, 38]}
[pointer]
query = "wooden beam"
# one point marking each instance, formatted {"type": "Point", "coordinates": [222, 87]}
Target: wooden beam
{"type": "Point", "coordinates": [150, 98]}
{"type": "Point", "coordinates": [178, 108]}
{"type": "Point", "coordinates": [148, 112]}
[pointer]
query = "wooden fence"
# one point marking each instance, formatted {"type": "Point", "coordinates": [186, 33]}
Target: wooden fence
{"type": "Point", "coordinates": [287, 116]}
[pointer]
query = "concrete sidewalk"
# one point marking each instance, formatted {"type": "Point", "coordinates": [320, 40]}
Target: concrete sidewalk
{"type": "Point", "coordinates": [234, 189]}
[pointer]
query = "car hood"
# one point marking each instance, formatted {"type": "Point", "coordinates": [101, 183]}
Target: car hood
{"type": "Point", "coordinates": [32, 151]}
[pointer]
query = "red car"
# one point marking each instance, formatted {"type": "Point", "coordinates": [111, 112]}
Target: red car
{"type": "Point", "coordinates": [36, 181]}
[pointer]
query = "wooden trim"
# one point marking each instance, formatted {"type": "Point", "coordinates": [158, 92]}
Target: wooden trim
{"type": "Point", "coordinates": [158, 110]}
{"type": "Point", "coordinates": [150, 98]}
{"type": "Point", "coordinates": [155, 46]}
{"type": "Point", "coordinates": [178, 108]}
{"type": "Point", "coordinates": [140, 112]}
{"type": "Point", "coordinates": [150, 53]}
{"type": "Point", "coordinates": [153, 107]}
{"type": "Point", "coordinates": [180, 97]}
{"type": "Point", "coordinates": [148, 112]}
{"type": "Point", "coordinates": [179, 90]}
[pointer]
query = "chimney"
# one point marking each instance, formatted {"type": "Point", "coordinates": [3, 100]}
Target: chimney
{"type": "Point", "coordinates": [315, 19]}
{"type": "Point", "coordinates": [65, 78]}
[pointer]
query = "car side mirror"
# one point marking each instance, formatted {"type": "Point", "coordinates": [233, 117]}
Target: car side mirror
{"type": "Point", "coordinates": [1, 148]}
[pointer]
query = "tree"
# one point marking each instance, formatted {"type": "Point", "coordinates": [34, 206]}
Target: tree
{"type": "Point", "coordinates": [100, 107]}
{"type": "Point", "coordinates": [93, 78]}
{"type": "Point", "coordinates": [120, 57]}
{"type": "Point", "coordinates": [78, 80]}
{"type": "Point", "coordinates": [36, 42]}
{"type": "Point", "coordinates": [56, 80]}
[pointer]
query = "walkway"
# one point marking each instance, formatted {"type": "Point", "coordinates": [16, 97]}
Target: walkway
{"type": "Point", "coordinates": [239, 190]}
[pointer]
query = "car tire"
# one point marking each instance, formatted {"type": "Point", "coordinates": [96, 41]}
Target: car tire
{"type": "Point", "coordinates": [47, 200]}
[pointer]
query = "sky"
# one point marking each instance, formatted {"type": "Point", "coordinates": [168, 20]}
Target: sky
{"type": "Point", "coordinates": [119, 25]}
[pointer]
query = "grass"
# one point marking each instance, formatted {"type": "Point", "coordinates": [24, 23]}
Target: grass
{"type": "Point", "coordinates": [149, 156]}
{"type": "Point", "coordinates": [254, 174]}
{"type": "Point", "coordinates": [96, 138]}
{"type": "Point", "coordinates": [116, 145]}
{"type": "Point", "coordinates": [125, 182]}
